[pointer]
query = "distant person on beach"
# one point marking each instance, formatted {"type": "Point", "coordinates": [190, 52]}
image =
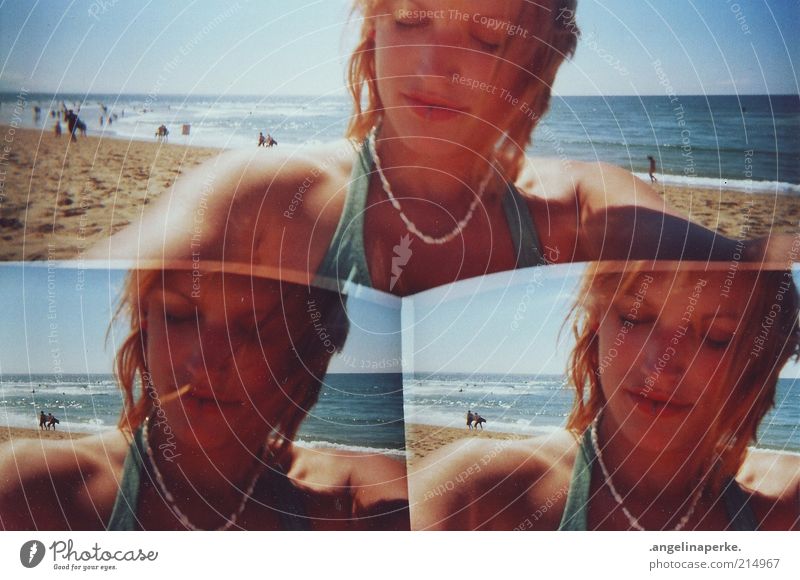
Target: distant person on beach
{"type": "Point", "coordinates": [162, 133]}
{"type": "Point", "coordinates": [57, 128]}
{"type": "Point", "coordinates": [448, 155]}
{"type": "Point", "coordinates": [652, 169]}
{"type": "Point", "coordinates": [673, 373]}
{"type": "Point", "coordinates": [479, 421]}
{"type": "Point", "coordinates": [216, 379]}
{"type": "Point", "coordinates": [42, 420]}
{"type": "Point", "coordinates": [470, 418]}
{"type": "Point", "coordinates": [262, 141]}
{"type": "Point", "coordinates": [52, 421]}
{"type": "Point", "coordinates": [72, 119]}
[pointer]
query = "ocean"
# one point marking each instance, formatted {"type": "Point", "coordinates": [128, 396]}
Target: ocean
{"type": "Point", "coordinates": [534, 405]}
{"type": "Point", "coordinates": [362, 412]}
{"type": "Point", "coordinates": [748, 143]}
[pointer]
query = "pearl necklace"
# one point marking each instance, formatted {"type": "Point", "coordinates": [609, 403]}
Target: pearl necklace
{"type": "Point", "coordinates": [173, 506]}
{"type": "Point", "coordinates": [411, 226]}
{"type": "Point", "coordinates": [633, 521]}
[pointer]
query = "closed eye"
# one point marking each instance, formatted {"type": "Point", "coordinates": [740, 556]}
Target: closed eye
{"type": "Point", "coordinates": [632, 317]}
{"type": "Point", "coordinates": [486, 45]}
{"type": "Point", "coordinates": [409, 19]}
{"type": "Point", "coordinates": [718, 339]}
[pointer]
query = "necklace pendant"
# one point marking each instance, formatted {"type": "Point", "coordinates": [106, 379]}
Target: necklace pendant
{"type": "Point", "coordinates": [411, 226]}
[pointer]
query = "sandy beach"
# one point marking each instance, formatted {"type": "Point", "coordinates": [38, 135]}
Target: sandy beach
{"type": "Point", "coordinates": [735, 213]}
{"type": "Point", "coordinates": [16, 433]}
{"type": "Point", "coordinates": [61, 197]}
{"type": "Point", "coordinates": [58, 198]}
{"type": "Point", "coordinates": [421, 440]}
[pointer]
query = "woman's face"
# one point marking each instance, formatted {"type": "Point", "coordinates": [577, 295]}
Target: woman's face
{"type": "Point", "coordinates": [226, 338]}
{"type": "Point", "coordinates": [439, 69]}
{"type": "Point", "coordinates": [664, 351]}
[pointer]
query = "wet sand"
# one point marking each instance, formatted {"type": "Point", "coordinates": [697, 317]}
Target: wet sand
{"type": "Point", "coordinates": [16, 433]}
{"type": "Point", "coordinates": [61, 197]}
{"type": "Point", "coordinates": [422, 440]}
{"type": "Point", "coordinates": [58, 198]}
{"type": "Point", "coordinates": [736, 214]}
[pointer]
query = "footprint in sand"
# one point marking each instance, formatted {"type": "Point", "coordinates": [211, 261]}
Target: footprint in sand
{"type": "Point", "coordinates": [73, 212]}
{"type": "Point", "coordinates": [47, 228]}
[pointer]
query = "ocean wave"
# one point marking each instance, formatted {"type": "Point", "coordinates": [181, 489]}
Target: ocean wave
{"type": "Point", "coordinates": [31, 421]}
{"type": "Point", "coordinates": [397, 453]}
{"type": "Point", "coordinates": [444, 418]}
{"type": "Point", "coordinates": [744, 185]}
{"type": "Point", "coordinates": [467, 389]}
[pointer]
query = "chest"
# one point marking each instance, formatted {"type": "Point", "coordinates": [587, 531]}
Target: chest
{"type": "Point", "coordinates": [605, 513]}
{"type": "Point", "coordinates": [401, 263]}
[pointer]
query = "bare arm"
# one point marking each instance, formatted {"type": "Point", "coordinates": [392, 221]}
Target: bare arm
{"type": "Point", "coordinates": [380, 493]}
{"type": "Point", "coordinates": [240, 208]}
{"type": "Point", "coordinates": [440, 491]}
{"type": "Point", "coordinates": [621, 218]}
{"type": "Point", "coordinates": [59, 485]}
{"type": "Point", "coordinates": [488, 485]}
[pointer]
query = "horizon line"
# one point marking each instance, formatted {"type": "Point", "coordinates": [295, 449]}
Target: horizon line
{"type": "Point", "coordinates": [344, 94]}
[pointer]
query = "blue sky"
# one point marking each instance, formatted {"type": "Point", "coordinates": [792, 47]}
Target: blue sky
{"type": "Point", "coordinates": [55, 322]}
{"type": "Point", "coordinates": [276, 47]}
{"type": "Point", "coordinates": [504, 323]}
{"type": "Point", "coordinates": [509, 322]}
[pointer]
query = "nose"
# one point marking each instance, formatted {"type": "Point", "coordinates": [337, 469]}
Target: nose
{"type": "Point", "coordinates": [208, 354]}
{"type": "Point", "coordinates": [443, 49]}
{"type": "Point", "coordinates": [666, 353]}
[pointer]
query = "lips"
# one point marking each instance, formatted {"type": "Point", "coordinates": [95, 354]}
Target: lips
{"type": "Point", "coordinates": [433, 107]}
{"type": "Point", "coordinates": [206, 397]}
{"type": "Point", "coordinates": [657, 403]}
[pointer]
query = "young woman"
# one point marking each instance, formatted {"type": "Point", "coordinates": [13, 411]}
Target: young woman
{"type": "Point", "coordinates": [229, 366]}
{"type": "Point", "coordinates": [673, 371]}
{"type": "Point", "coordinates": [433, 184]}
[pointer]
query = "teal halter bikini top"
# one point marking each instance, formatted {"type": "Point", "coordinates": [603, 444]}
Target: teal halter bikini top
{"type": "Point", "coordinates": [346, 259]}
{"type": "Point", "coordinates": [123, 516]}
{"type": "Point", "coordinates": [576, 511]}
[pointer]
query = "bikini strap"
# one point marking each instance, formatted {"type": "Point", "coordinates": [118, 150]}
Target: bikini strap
{"type": "Point", "coordinates": [522, 228]}
{"type": "Point", "coordinates": [290, 500]}
{"type": "Point", "coordinates": [346, 258]}
{"type": "Point", "coordinates": [739, 511]}
{"type": "Point", "coordinates": [575, 517]}
{"type": "Point", "coordinates": [123, 516]}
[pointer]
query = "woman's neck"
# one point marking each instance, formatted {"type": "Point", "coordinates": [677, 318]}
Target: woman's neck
{"type": "Point", "coordinates": [218, 474]}
{"type": "Point", "coordinates": [435, 171]}
{"type": "Point", "coordinates": [659, 478]}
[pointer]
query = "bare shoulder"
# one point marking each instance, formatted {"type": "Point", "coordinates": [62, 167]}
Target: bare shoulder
{"type": "Point", "coordinates": [774, 474]}
{"type": "Point", "coordinates": [68, 484]}
{"type": "Point", "coordinates": [235, 202]}
{"type": "Point", "coordinates": [488, 484]}
{"type": "Point", "coordinates": [259, 171]}
{"type": "Point", "coordinates": [773, 480]}
{"type": "Point", "coordinates": [336, 468]}
{"type": "Point", "coordinates": [586, 183]}
{"type": "Point", "coordinates": [566, 196]}
{"type": "Point", "coordinates": [549, 178]}
{"type": "Point", "coordinates": [373, 485]}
